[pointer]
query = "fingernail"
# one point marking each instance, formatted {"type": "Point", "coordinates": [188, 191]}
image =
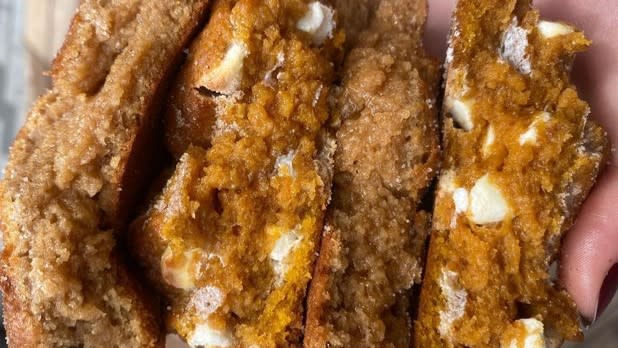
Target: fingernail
{"type": "Point", "coordinates": [608, 289]}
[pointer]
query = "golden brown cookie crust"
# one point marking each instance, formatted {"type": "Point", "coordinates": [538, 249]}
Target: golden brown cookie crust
{"type": "Point", "coordinates": [520, 157]}
{"type": "Point", "coordinates": [191, 108]}
{"type": "Point", "coordinates": [387, 155]}
{"type": "Point", "coordinates": [72, 173]}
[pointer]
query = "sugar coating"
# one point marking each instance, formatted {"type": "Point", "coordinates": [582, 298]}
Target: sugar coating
{"type": "Point", "coordinates": [447, 182]}
{"type": "Point", "coordinates": [317, 95]}
{"type": "Point", "coordinates": [455, 33]}
{"type": "Point", "coordinates": [514, 45]}
{"type": "Point", "coordinates": [529, 136]}
{"type": "Point", "coordinates": [461, 200]}
{"type": "Point", "coordinates": [206, 300]}
{"type": "Point", "coordinates": [456, 299]}
{"type": "Point", "coordinates": [449, 54]}
{"type": "Point", "coordinates": [221, 127]}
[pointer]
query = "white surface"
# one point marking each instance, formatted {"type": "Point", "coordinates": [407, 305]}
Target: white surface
{"type": "Point", "coordinates": [12, 74]}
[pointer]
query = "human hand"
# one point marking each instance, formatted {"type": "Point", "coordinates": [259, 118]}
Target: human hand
{"type": "Point", "coordinates": [590, 249]}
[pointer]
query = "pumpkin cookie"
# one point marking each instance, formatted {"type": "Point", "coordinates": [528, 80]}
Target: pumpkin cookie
{"type": "Point", "coordinates": [231, 240]}
{"type": "Point", "coordinates": [520, 157]}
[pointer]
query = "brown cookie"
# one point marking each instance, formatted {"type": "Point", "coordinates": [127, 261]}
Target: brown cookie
{"type": "Point", "coordinates": [74, 172]}
{"type": "Point", "coordinates": [387, 155]}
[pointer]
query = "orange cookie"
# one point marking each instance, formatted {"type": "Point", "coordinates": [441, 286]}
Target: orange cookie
{"type": "Point", "coordinates": [231, 240]}
{"type": "Point", "coordinates": [520, 156]}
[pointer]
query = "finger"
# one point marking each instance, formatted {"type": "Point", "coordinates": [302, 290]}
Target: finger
{"type": "Point", "coordinates": [590, 249]}
{"type": "Point", "coordinates": [437, 27]}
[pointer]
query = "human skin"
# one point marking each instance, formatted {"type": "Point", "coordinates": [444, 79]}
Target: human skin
{"type": "Point", "coordinates": [590, 248]}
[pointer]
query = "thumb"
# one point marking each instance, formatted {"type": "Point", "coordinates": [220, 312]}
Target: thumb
{"type": "Point", "coordinates": [590, 249]}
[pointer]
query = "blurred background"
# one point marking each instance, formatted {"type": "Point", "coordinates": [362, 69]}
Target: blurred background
{"type": "Point", "coordinates": [31, 31]}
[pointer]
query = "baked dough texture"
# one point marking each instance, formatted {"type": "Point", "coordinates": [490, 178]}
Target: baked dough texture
{"type": "Point", "coordinates": [520, 156]}
{"type": "Point", "coordinates": [74, 170]}
{"type": "Point", "coordinates": [387, 155]}
{"type": "Point", "coordinates": [231, 240]}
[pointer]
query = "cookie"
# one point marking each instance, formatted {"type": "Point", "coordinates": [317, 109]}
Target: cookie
{"type": "Point", "coordinates": [387, 156]}
{"type": "Point", "coordinates": [74, 173]}
{"type": "Point", "coordinates": [520, 156]}
{"type": "Point", "coordinates": [231, 240]}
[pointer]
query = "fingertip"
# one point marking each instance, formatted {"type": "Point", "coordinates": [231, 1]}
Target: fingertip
{"type": "Point", "coordinates": [590, 249]}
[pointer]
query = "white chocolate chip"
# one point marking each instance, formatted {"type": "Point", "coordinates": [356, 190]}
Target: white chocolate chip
{"type": "Point", "coordinates": [534, 335]}
{"type": "Point", "coordinates": [227, 76]}
{"type": "Point", "coordinates": [514, 46]}
{"type": "Point", "coordinates": [461, 111]}
{"type": "Point", "coordinates": [178, 271]}
{"type": "Point", "coordinates": [490, 138]}
{"type": "Point", "coordinates": [456, 299]}
{"type": "Point", "coordinates": [487, 205]}
{"type": "Point", "coordinates": [552, 29]}
{"type": "Point", "coordinates": [460, 197]}
{"type": "Point", "coordinates": [206, 336]}
{"type": "Point", "coordinates": [318, 21]}
{"type": "Point", "coordinates": [530, 136]}
{"type": "Point", "coordinates": [284, 246]}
